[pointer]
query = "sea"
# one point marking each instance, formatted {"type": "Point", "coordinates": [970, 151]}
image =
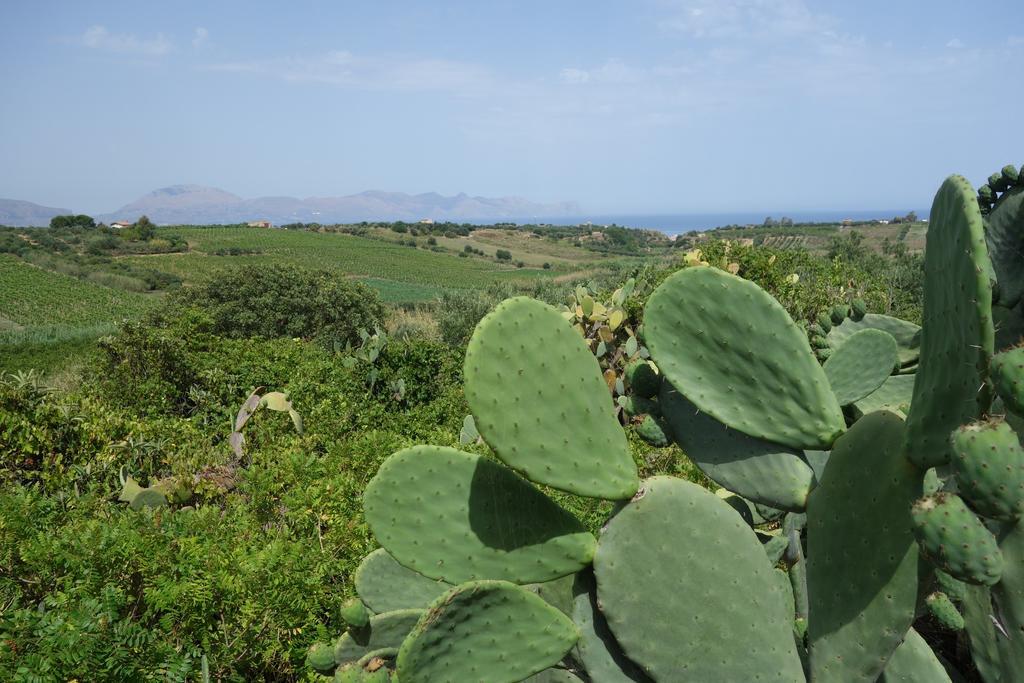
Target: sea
{"type": "Point", "coordinates": [675, 224]}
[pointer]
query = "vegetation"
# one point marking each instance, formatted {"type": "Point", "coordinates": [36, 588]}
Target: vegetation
{"type": "Point", "coordinates": [247, 554]}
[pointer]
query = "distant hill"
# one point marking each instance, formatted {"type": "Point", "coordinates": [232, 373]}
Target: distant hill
{"type": "Point", "coordinates": [17, 213]}
{"type": "Point", "coordinates": [196, 204]}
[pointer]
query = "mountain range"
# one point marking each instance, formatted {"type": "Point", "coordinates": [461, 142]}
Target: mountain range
{"type": "Point", "coordinates": [200, 205]}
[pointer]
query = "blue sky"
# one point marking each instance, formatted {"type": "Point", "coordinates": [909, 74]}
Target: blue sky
{"type": "Point", "coordinates": [650, 106]}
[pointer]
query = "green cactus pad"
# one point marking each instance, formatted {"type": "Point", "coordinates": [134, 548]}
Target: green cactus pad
{"type": "Point", "coordinates": [906, 334]}
{"type": "Point", "coordinates": [385, 585]}
{"type": "Point", "coordinates": [643, 378]}
{"type": "Point", "coordinates": [355, 614]}
{"type": "Point", "coordinates": [914, 662]}
{"type": "Point", "coordinates": [557, 593]}
{"type": "Point", "coordinates": [957, 337]}
{"type": "Point", "coordinates": [954, 588]}
{"type": "Point", "coordinates": [597, 649]}
{"type": "Point", "coordinates": [944, 611]}
{"type": "Point", "coordinates": [1004, 235]}
{"type": "Point", "coordinates": [988, 463]}
{"type": "Point", "coordinates": [860, 365]}
{"type": "Point", "coordinates": [861, 556]}
{"type": "Point", "coordinates": [635, 405]}
{"type": "Point", "coordinates": [385, 630]}
{"type": "Point", "coordinates": [713, 598]}
{"type": "Point", "coordinates": [733, 351]}
{"type": "Point", "coordinates": [129, 489]}
{"type": "Point", "coordinates": [1008, 599]}
{"type": "Point", "coordinates": [955, 540]}
{"type": "Point", "coordinates": [824, 322]}
{"type": "Point", "coordinates": [1007, 373]}
{"type": "Point", "coordinates": [320, 658]}
{"type": "Point", "coordinates": [980, 628]}
{"type": "Point", "coordinates": [485, 631]}
{"type": "Point", "coordinates": [541, 402]}
{"type": "Point", "coordinates": [858, 309]}
{"type": "Point", "coordinates": [838, 314]}
{"type": "Point", "coordinates": [651, 431]}
{"type": "Point", "coordinates": [455, 516]}
{"type": "Point", "coordinates": [894, 395]}
{"type": "Point", "coordinates": [775, 548]}
{"type": "Point", "coordinates": [758, 470]}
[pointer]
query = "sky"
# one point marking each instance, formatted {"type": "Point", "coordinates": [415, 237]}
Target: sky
{"type": "Point", "coordinates": [642, 107]}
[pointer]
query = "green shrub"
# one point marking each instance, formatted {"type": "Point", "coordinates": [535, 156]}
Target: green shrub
{"type": "Point", "coordinates": [282, 301]}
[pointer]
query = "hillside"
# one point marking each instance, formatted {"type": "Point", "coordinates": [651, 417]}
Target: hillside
{"type": "Point", "coordinates": [199, 205]}
{"type": "Point", "coordinates": [27, 214]}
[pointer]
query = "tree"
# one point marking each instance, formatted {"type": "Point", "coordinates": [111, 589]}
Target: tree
{"type": "Point", "coordinates": [503, 255]}
{"type": "Point", "coordinates": [848, 248]}
{"type": "Point", "coordinates": [911, 217]}
{"type": "Point", "coordinates": [144, 230]}
{"type": "Point", "coordinates": [284, 301]}
{"type": "Point", "coordinates": [77, 221]}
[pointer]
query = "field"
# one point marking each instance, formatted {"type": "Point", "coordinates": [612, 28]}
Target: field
{"type": "Point", "coordinates": [817, 238]}
{"type": "Point", "coordinates": [402, 274]}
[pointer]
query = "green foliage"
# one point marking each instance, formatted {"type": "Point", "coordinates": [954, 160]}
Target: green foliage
{"type": "Point", "coordinates": [275, 301]}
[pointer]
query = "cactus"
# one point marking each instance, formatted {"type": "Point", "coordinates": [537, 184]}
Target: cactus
{"type": "Point", "coordinates": [355, 614]}
{"type": "Point", "coordinates": [988, 463]}
{"type": "Point", "coordinates": [320, 658]}
{"type": "Point", "coordinates": [858, 309]}
{"type": "Point", "coordinates": [860, 365]}
{"type": "Point", "coordinates": [454, 639]}
{"type": "Point", "coordinates": [1007, 371]}
{"type": "Point", "coordinates": [953, 538]}
{"type": "Point", "coordinates": [652, 431]}
{"type": "Point", "coordinates": [838, 314]}
{"type": "Point", "coordinates": [384, 585]}
{"type": "Point", "coordinates": [524, 421]}
{"type": "Point", "coordinates": [766, 384]}
{"type": "Point", "coordinates": [678, 585]}
{"type": "Point", "coordinates": [474, 519]}
{"type": "Point", "coordinates": [945, 612]}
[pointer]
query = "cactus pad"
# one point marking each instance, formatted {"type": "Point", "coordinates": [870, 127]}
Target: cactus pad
{"type": "Point", "coordinates": [454, 516]}
{"type": "Point", "coordinates": [597, 649]}
{"type": "Point", "coordinates": [643, 379]}
{"type": "Point", "coordinates": [988, 463]}
{"type": "Point", "coordinates": [541, 402]}
{"type": "Point", "coordinates": [1008, 600]}
{"type": "Point", "coordinates": [355, 614]}
{"type": "Point", "coordinates": [906, 334]}
{"type": "Point", "coordinates": [758, 470]}
{"type": "Point", "coordinates": [385, 585]}
{"type": "Point", "coordinates": [733, 351]}
{"type": "Point", "coordinates": [914, 662]}
{"type": "Point", "coordinates": [894, 394]}
{"type": "Point", "coordinates": [320, 658]}
{"type": "Point", "coordinates": [957, 337]}
{"type": "Point", "coordinates": [651, 431]}
{"type": "Point", "coordinates": [485, 631]}
{"type": "Point", "coordinates": [1007, 373]}
{"type": "Point", "coordinates": [944, 611]}
{"type": "Point", "coordinates": [384, 631]}
{"type": "Point", "coordinates": [860, 365]}
{"type": "Point", "coordinates": [1004, 234]}
{"type": "Point", "coordinates": [861, 555]}
{"type": "Point", "coordinates": [714, 597]}
{"type": "Point", "coordinates": [955, 540]}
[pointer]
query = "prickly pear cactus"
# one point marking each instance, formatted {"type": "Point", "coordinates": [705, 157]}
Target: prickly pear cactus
{"type": "Point", "coordinates": [806, 565]}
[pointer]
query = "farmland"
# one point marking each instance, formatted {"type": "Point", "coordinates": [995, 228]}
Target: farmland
{"type": "Point", "coordinates": [382, 263]}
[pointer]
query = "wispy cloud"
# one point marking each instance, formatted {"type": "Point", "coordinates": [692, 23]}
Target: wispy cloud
{"type": "Point", "coordinates": [99, 38]}
{"type": "Point", "coordinates": [955, 44]}
{"type": "Point", "coordinates": [745, 18]}
{"type": "Point", "coordinates": [199, 37]}
{"type": "Point", "coordinates": [344, 69]}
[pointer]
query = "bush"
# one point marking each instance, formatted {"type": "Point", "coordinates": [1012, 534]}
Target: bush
{"type": "Point", "coordinates": [280, 301]}
{"type": "Point", "coordinates": [503, 255]}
